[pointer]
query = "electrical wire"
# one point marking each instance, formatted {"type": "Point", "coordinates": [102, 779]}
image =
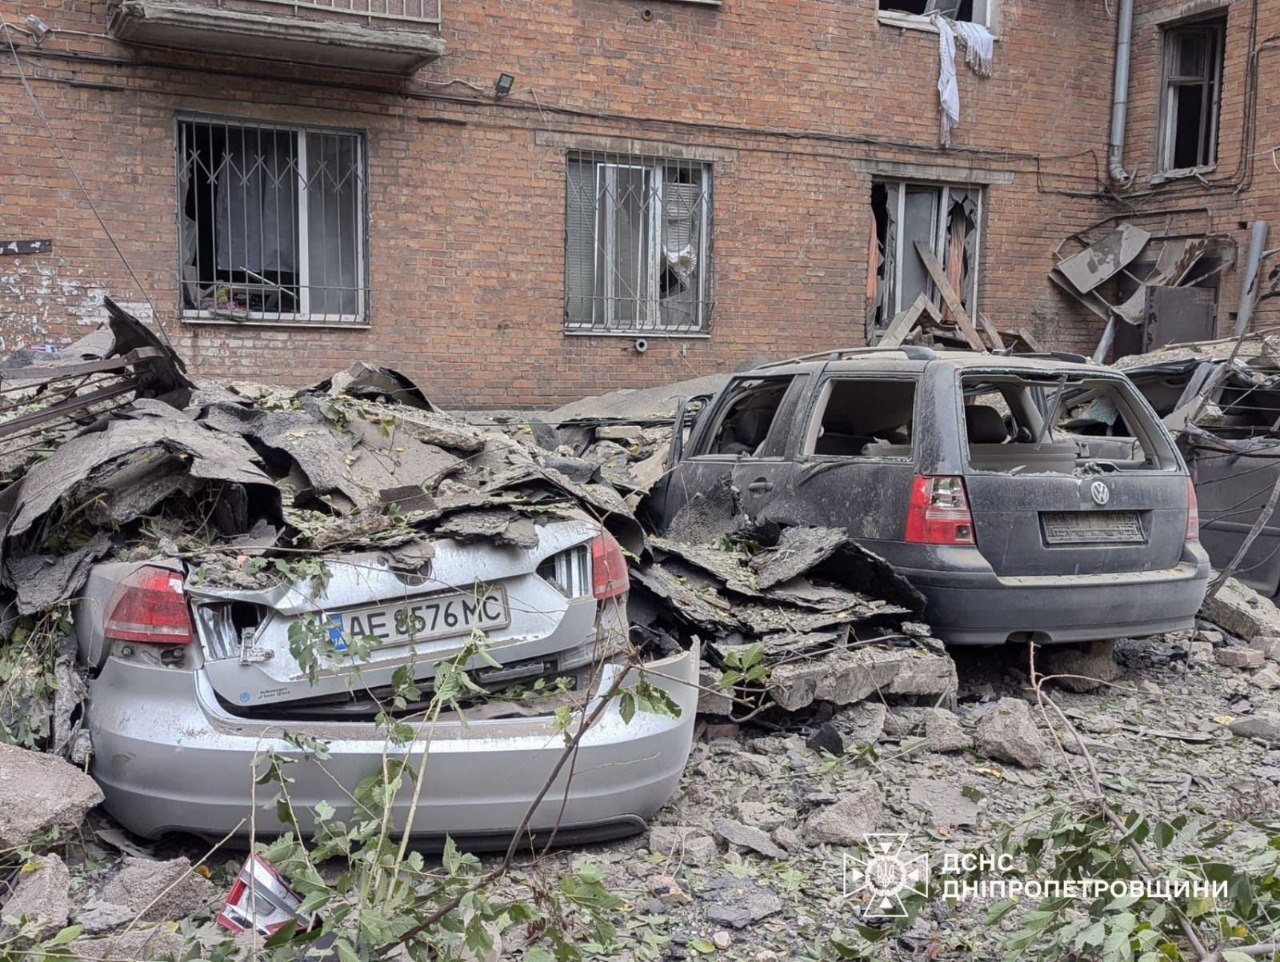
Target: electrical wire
{"type": "Point", "coordinates": [6, 28]}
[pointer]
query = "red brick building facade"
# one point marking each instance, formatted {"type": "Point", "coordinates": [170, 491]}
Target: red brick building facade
{"type": "Point", "coordinates": [722, 181]}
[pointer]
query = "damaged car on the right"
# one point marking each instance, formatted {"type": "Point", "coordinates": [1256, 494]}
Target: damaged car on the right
{"type": "Point", "coordinates": [1028, 498]}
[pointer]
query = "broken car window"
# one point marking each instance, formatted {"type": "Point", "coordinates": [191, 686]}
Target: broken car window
{"type": "Point", "coordinates": [745, 421]}
{"type": "Point", "coordinates": [864, 418]}
{"type": "Point", "coordinates": [1058, 424]}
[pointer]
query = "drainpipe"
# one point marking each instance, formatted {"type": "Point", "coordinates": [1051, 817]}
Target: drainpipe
{"type": "Point", "coordinates": [1120, 94]}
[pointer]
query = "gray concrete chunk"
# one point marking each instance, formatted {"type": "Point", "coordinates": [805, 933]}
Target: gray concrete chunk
{"type": "Point", "coordinates": [1008, 733]}
{"type": "Point", "coordinates": [40, 792]}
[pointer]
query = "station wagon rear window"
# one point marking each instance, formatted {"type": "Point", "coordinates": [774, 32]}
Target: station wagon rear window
{"type": "Point", "coordinates": [1059, 423]}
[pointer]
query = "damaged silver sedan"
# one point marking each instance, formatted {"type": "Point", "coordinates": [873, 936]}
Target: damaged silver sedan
{"type": "Point", "coordinates": [194, 683]}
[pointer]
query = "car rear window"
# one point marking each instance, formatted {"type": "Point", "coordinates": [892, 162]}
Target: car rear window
{"type": "Point", "coordinates": [864, 417]}
{"type": "Point", "coordinates": [1059, 423]}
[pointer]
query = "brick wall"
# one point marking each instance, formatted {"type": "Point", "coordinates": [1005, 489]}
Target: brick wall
{"type": "Point", "coordinates": [466, 197]}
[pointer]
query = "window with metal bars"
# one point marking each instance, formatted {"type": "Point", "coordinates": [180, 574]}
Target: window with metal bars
{"type": "Point", "coordinates": [947, 219]}
{"type": "Point", "coordinates": [272, 223]}
{"type": "Point", "coordinates": [1189, 109]}
{"type": "Point", "coordinates": [637, 246]}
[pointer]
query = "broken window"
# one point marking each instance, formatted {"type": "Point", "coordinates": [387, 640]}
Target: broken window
{"type": "Point", "coordinates": [745, 421]}
{"type": "Point", "coordinates": [637, 246]}
{"type": "Point", "coordinates": [946, 219]}
{"type": "Point", "coordinates": [976, 11]}
{"type": "Point", "coordinates": [864, 418]}
{"type": "Point", "coordinates": [1058, 424]}
{"type": "Point", "coordinates": [1189, 111]}
{"type": "Point", "coordinates": [272, 222]}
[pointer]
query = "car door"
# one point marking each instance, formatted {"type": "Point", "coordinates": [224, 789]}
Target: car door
{"type": "Point", "coordinates": [853, 458]}
{"type": "Point", "coordinates": [739, 442]}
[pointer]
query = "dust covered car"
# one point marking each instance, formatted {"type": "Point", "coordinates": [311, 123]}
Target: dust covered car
{"type": "Point", "coordinates": [192, 682]}
{"type": "Point", "coordinates": [259, 571]}
{"type": "Point", "coordinates": [1027, 498]}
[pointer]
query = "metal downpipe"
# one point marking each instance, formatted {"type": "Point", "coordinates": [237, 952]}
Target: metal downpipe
{"type": "Point", "coordinates": [1120, 93]}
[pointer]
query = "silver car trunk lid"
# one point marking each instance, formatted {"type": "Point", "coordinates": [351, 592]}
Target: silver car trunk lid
{"type": "Point", "coordinates": [368, 620]}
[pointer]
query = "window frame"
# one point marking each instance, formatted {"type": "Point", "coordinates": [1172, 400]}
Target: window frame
{"type": "Point", "coordinates": [655, 169]}
{"type": "Point", "coordinates": [1215, 27]}
{"type": "Point", "coordinates": [301, 318]}
{"type": "Point", "coordinates": [920, 21]}
{"type": "Point", "coordinates": [699, 448]}
{"type": "Point", "coordinates": [808, 440]}
{"type": "Point", "coordinates": [943, 189]}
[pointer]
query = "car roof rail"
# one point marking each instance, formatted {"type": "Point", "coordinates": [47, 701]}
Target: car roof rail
{"type": "Point", "coordinates": [1069, 356]}
{"type": "Point", "coordinates": [914, 352]}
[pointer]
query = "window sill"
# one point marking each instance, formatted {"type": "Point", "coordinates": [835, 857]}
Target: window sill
{"type": "Point", "coordinates": [209, 319]}
{"type": "Point", "coordinates": [642, 335]}
{"type": "Point", "coordinates": [908, 21]}
{"type": "Point", "coordinates": [1182, 173]}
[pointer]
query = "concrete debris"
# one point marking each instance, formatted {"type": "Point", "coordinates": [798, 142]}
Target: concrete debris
{"type": "Point", "coordinates": [141, 944]}
{"type": "Point", "coordinates": [850, 675]}
{"type": "Point", "coordinates": [159, 891]}
{"type": "Point", "coordinates": [1241, 611]}
{"type": "Point", "coordinates": [942, 804]}
{"type": "Point", "coordinates": [1241, 658]}
{"type": "Point", "coordinates": [668, 891]}
{"type": "Point", "coordinates": [1080, 668]}
{"type": "Point", "coordinates": [847, 821]}
{"type": "Point", "coordinates": [1268, 679]}
{"type": "Point", "coordinates": [1007, 732]}
{"type": "Point", "coordinates": [98, 916]}
{"type": "Point", "coordinates": [1264, 725]}
{"type": "Point", "coordinates": [684, 843]}
{"type": "Point", "coordinates": [943, 732]}
{"type": "Point", "coordinates": [40, 793]}
{"type": "Point", "coordinates": [41, 895]}
{"type": "Point", "coordinates": [749, 837]}
{"type": "Point", "coordinates": [739, 902]}
{"type": "Point", "coordinates": [1269, 645]}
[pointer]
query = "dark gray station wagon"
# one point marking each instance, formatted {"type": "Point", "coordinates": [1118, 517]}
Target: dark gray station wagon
{"type": "Point", "coordinates": [1028, 498]}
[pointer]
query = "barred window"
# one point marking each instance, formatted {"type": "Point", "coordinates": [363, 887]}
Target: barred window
{"type": "Point", "coordinates": [637, 246]}
{"type": "Point", "coordinates": [272, 223]}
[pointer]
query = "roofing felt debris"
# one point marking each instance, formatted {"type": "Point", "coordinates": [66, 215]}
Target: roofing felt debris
{"type": "Point", "coordinates": [362, 461]}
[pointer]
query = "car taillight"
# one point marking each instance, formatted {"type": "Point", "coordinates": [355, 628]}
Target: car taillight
{"type": "Point", "coordinates": [938, 512]}
{"type": "Point", "coordinates": [608, 567]}
{"type": "Point", "coordinates": [1193, 514]}
{"type": "Point", "coordinates": [150, 607]}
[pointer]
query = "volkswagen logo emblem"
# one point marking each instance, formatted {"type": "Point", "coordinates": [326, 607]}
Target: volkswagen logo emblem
{"type": "Point", "coordinates": [1100, 493]}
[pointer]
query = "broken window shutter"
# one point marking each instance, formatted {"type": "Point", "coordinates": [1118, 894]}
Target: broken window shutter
{"type": "Point", "coordinates": [580, 244]}
{"type": "Point", "coordinates": [681, 223]}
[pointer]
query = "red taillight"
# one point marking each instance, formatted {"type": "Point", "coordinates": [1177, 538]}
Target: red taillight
{"type": "Point", "coordinates": [150, 607]}
{"type": "Point", "coordinates": [608, 568]}
{"type": "Point", "coordinates": [938, 512]}
{"type": "Point", "coordinates": [1193, 514]}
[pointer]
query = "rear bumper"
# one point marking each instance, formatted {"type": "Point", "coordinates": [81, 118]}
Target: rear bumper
{"type": "Point", "coordinates": [169, 759]}
{"type": "Point", "coordinates": [982, 608]}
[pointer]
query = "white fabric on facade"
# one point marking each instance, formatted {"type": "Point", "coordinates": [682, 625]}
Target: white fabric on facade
{"type": "Point", "coordinates": [979, 47]}
{"type": "Point", "coordinates": [979, 53]}
{"type": "Point", "coordinates": [948, 88]}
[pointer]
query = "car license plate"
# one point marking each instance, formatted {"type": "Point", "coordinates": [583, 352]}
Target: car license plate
{"type": "Point", "coordinates": [1092, 527]}
{"type": "Point", "coordinates": [421, 619]}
